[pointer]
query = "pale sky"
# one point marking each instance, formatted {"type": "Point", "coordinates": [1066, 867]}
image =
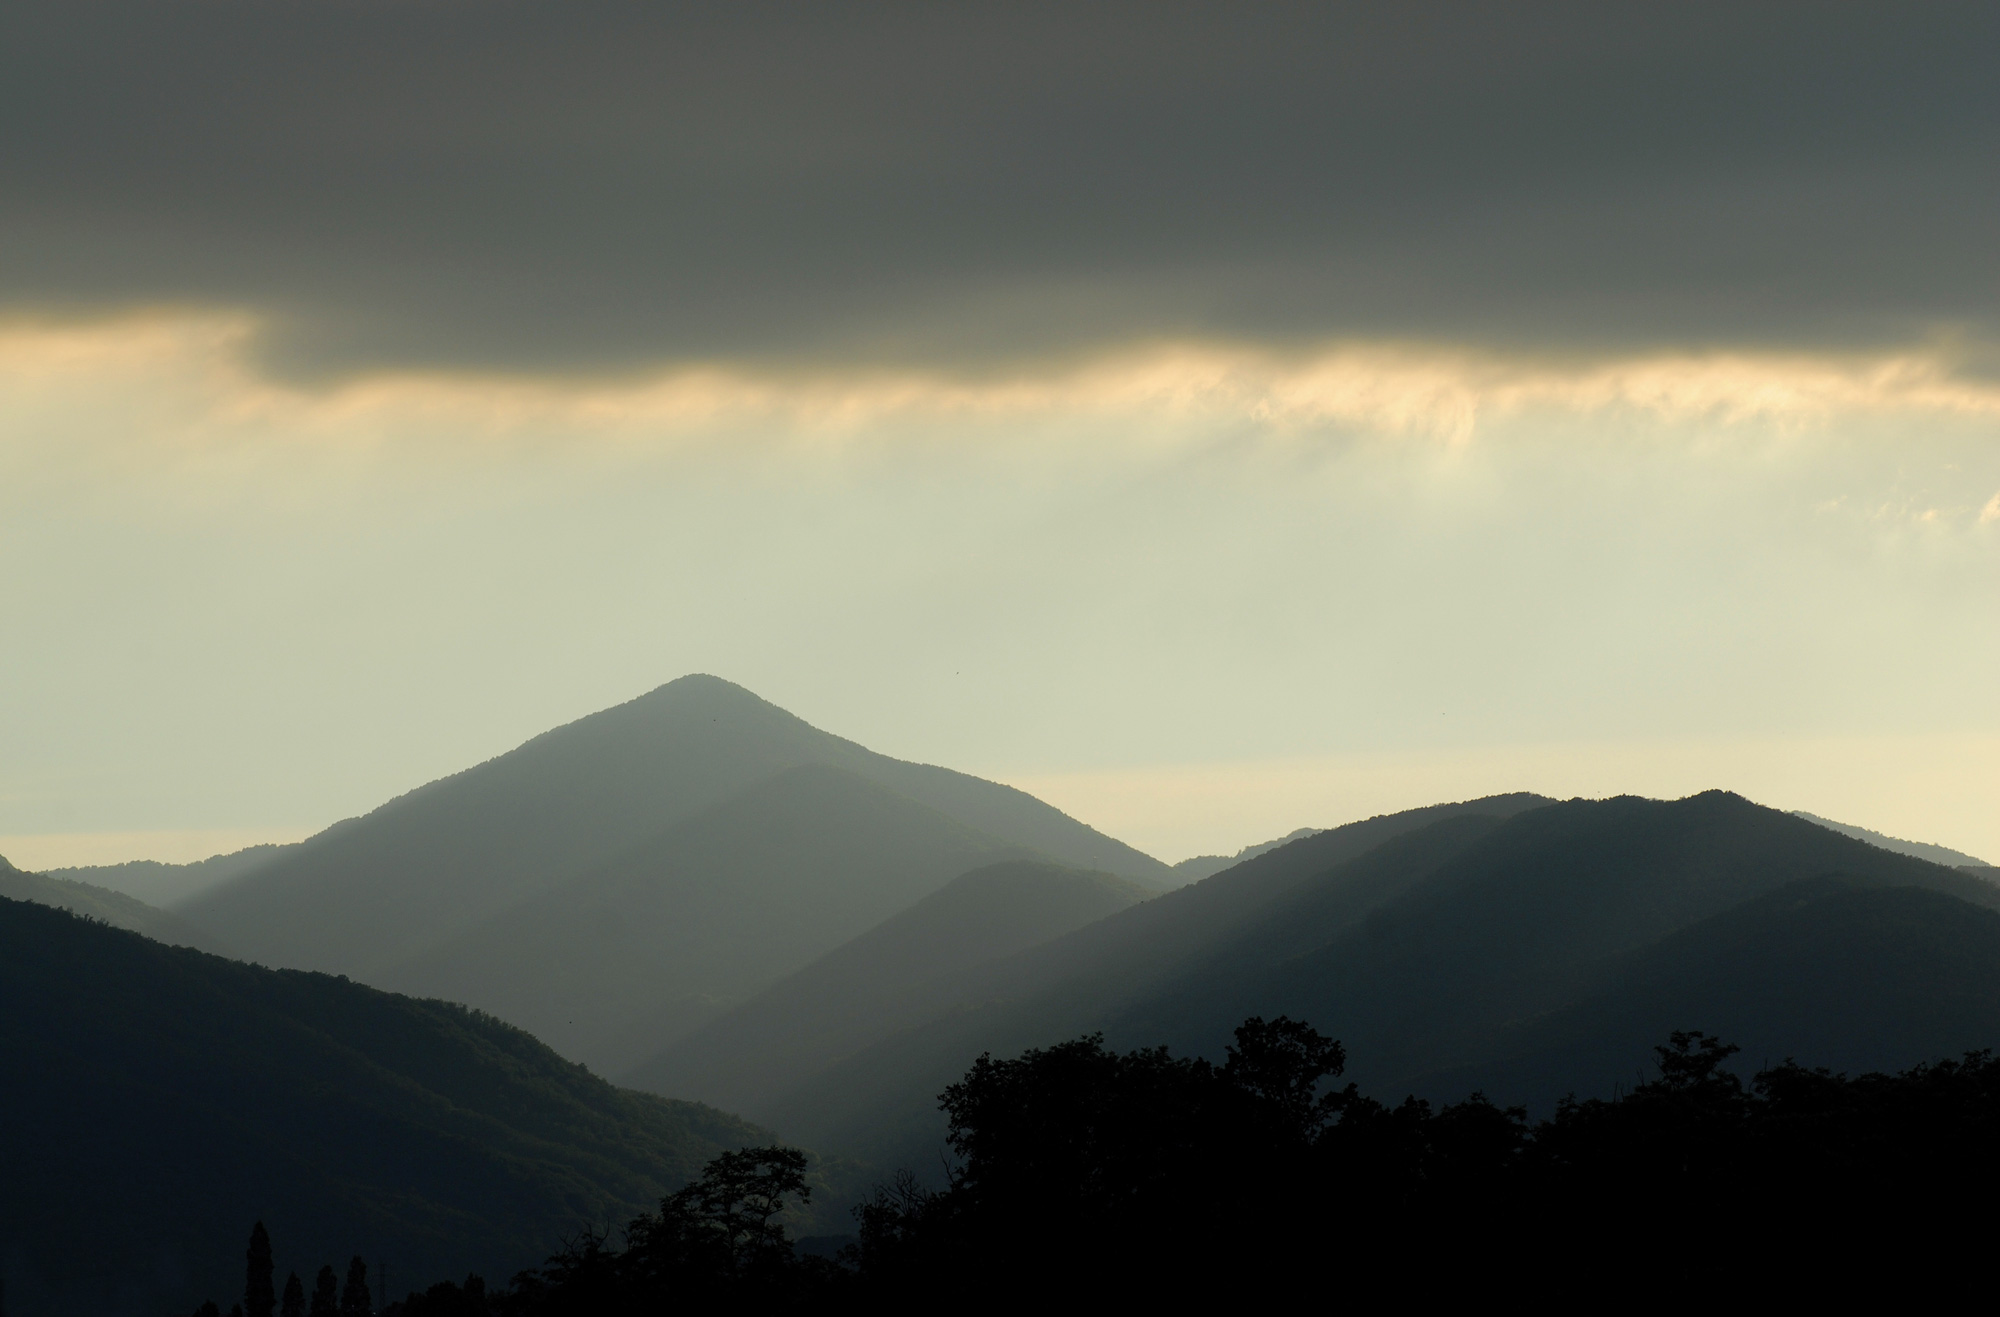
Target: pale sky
{"type": "Point", "coordinates": [1449, 458]}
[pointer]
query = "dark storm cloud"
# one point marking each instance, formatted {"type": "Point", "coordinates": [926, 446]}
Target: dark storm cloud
{"type": "Point", "coordinates": [596, 186]}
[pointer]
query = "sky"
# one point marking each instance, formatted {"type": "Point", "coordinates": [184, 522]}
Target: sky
{"type": "Point", "coordinates": [1214, 419]}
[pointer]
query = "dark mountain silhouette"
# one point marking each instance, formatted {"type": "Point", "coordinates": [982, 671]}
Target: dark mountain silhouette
{"type": "Point", "coordinates": [876, 1101]}
{"type": "Point", "coordinates": [1515, 925]}
{"type": "Point", "coordinates": [377, 891]}
{"type": "Point", "coordinates": [616, 963]}
{"type": "Point", "coordinates": [906, 970]}
{"type": "Point", "coordinates": [1922, 850]}
{"type": "Point", "coordinates": [1422, 942]}
{"type": "Point", "coordinates": [157, 1099]}
{"type": "Point", "coordinates": [114, 908]}
{"type": "Point", "coordinates": [1834, 972]}
{"type": "Point", "coordinates": [168, 885]}
{"type": "Point", "coordinates": [1197, 867]}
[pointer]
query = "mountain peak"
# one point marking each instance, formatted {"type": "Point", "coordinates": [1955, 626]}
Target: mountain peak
{"type": "Point", "coordinates": [699, 685]}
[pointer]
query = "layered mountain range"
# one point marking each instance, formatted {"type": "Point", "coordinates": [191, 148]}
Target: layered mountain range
{"type": "Point", "coordinates": [616, 882]}
{"type": "Point", "coordinates": [1528, 947]}
{"type": "Point", "coordinates": [727, 910]}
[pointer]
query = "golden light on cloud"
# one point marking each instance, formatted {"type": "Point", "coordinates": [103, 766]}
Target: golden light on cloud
{"type": "Point", "coordinates": [197, 369]}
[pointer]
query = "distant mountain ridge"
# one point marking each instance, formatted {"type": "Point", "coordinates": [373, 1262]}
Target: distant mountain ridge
{"type": "Point", "coordinates": [114, 908]}
{"type": "Point", "coordinates": [1921, 850]}
{"type": "Point", "coordinates": [167, 885]}
{"type": "Point", "coordinates": [1197, 867]}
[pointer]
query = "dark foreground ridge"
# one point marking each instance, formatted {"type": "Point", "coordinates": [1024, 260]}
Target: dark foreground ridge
{"type": "Point", "coordinates": [1088, 1174]}
{"type": "Point", "coordinates": [156, 1098]}
{"type": "Point", "coordinates": [1514, 945]}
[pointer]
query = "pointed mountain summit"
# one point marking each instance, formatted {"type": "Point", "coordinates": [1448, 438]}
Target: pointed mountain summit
{"type": "Point", "coordinates": [371, 892]}
{"type": "Point", "coordinates": [619, 961]}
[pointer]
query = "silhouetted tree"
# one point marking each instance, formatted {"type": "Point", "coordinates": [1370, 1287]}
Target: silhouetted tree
{"type": "Point", "coordinates": [294, 1303]}
{"type": "Point", "coordinates": [720, 1231]}
{"type": "Point", "coordinates": [208, 1309]}
{"type": "Point", "coordinates": [326, 1294]}
{"type": "Point", "coordinates": [260, 1298]}
{"type": "Point", "coordinates": [1281, 1064]}
{"type": "Point", "coordinates": [719, 1240]}
{"type": "Point", "coordinates": [354, 1297]}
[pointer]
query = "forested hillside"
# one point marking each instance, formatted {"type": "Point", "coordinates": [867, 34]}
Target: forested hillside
{"type": "Point", "coordinates": [1442, 940]}
{"type": "Point", "coordinates": [113, 907]}
{"type": "Point", "coordinates": [158, 1099]}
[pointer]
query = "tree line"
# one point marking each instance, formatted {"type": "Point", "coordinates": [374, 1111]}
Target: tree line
{"type": "Point", "coordinates": [330, 1298]}
{"type": "Point", "coordinates": [1082, 1172]}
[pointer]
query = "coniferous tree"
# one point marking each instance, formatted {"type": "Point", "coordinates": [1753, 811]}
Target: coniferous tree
{"type": "Point", "coordinates": [354, 1300]}
{"type": "Point", "coordinates": [294, 1304]}
{"type": "Point", "coordinates": [260, 1299]}
{"type": "Point", "coordinates": [326, 1294]}
{"type": "Point", "coordinates": [208, 1309]}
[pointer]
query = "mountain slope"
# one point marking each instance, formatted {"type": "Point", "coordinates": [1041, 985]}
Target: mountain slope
{"type": "Point", "coordinates": [1851, 976]}
{"type": "Point", "coordinates": [877, 1101]}
{"type": "Point", "coordinates": [905, 970]}
{"type": "Point", "coordinates": [1922, 850]}
{"type": "Point", "coordinates": [159, 1099]}
{"type": "Point", "coordinates": [1197, 867]}
{"type": "Point", "coordinates": [1421, 953]}
{"type": "Point", "coordinates": [114, 908]}
{"type": "Point", "coordinates": [373, 892]}
{"type": "Point", "coordinates": [1514, 927]}
{"type": "Point", "coordinates": [167, 885]}
{"type": "Point", "coordinates": [618, 962]}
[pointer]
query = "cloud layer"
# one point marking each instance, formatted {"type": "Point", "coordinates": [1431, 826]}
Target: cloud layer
{"type": "Point", "coordinates": [593, 187]}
